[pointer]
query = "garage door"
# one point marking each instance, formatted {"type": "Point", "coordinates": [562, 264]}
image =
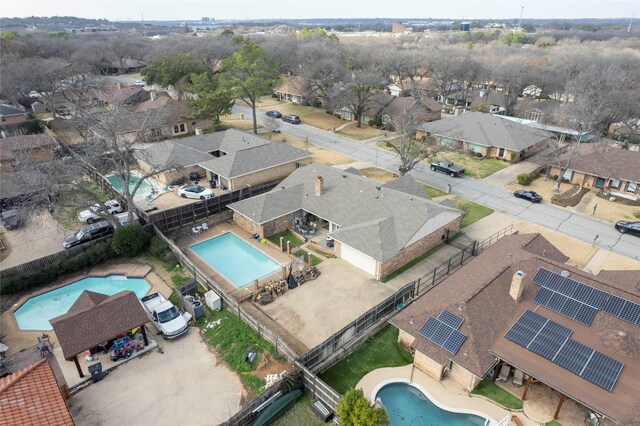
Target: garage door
{"type": "Point", "coordinates": [358, 259]}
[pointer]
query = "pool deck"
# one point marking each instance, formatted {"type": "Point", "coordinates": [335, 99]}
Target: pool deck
{"type": "Point", "coordinates": [242, 293]}
{"type": "Point", "coordinates": [17, 339]}
{"type": "Point", "coordinates": [447, 394]}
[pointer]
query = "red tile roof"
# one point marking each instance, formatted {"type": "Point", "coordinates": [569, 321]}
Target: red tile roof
{"type": "Point", "coordinates": [32, 397]}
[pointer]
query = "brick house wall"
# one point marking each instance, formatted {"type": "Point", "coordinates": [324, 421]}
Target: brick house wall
{"type": "Point", "coordinates": [267, 175]}
{"type": "Point", "coordinates": [419, 247]}
{"type": "Point", "coordinates": [463, 377]}
{"type": "Point", "coordinates": [171, 175]}
{"type": "Point", "coordinates": [267, 229]}
{"type": "Point", "coordinates": [246, 224]}
{"type": "Point", "coordinates": [405, 339]}
{"type": "Point", "coordinates": [428, 365]}
{"type": "Point", "coordinates": [589, 181]}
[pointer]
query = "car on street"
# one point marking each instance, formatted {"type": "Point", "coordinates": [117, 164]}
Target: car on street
{"type": "Point", "coordinates": [447, 167]}
{"type": "Point", "coordinates": [626, 227]}
{"type": "Point", "coordinates": [532, 196]}
{"type": "Point", "coordinates": [274, 114]}
{"type": "Point", "coordinates": [139, 83]}
{"type": "Point", "coordinates": [11, 218]}
{"type": "Point", "coordinates": [88, 233]}
{"type": "Point", "coordinates": [195, 191]}
{"type": "Point", "coordinates": [293, 119]}
{"type": "Point", "coordinates": [92, 214]}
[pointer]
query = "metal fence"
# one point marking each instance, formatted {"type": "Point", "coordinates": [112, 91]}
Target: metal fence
{"type": "Point", "coordinates": [482, 245]}
{"type": "Point", "coordinates": [171, 219]}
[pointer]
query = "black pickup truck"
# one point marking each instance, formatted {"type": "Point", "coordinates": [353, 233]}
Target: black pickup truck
{"type": "Point", "coordinates": [447, 167]}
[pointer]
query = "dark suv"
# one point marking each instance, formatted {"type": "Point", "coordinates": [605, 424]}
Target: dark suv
{"type": "Point", "coordinates": [88, 233]}
{"type": "Point", "coordinates": [293, 119]}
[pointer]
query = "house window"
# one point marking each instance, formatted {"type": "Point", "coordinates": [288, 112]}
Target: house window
{"type": "Point", "coordinates": [447, 142]}
{"type": "Point", "coordinates": [568, 175]}
{"type": "Point", "coordinates": [473, 147]}
{"type": "Point", "coordinates": [386, 119]}
{"type": "Point", "coordinates": [632, 187]}
{"type": "Point", "coordinates": [599, 182]}
{"type": "Point", "coordinates": [179, 128]}
{"type": "Point", "coordinates": [501, 152]}
{"type": "Point", "coordinates": [615, 184]}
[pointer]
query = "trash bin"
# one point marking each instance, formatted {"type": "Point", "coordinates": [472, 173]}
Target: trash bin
{"type": "Point", "coordinates": [96, 372]}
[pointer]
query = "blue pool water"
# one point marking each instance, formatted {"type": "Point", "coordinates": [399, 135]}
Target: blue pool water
{"type": "Point", "coordinates": [235, 259]}
{"type": "Point", "coordinates": [35, 313]}
{"type": "Point", "coordinates": [407, 406]}
{"type": "Point", "coordinates": [143, 190]}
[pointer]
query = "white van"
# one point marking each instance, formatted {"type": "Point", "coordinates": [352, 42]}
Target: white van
{"type": "Point", "coordinates": [122, 218]}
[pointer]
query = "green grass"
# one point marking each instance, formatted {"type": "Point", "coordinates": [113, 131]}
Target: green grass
{"type": "Point", "coordinates": [288, 236]}
{"type": "Point", "coordinates": [67, 216]}
{"type": "Point", "coordinates": [254, 384]}
{"type": "Point", "coordinates": [476, 167]}
{"type": "Point", "coordinates": [474, 211]}
{"type": "Point", "coordinates": [411, 263]}
{"type": "Point", "coordinates": [315, 260]}
{"type": "Point", "coordinates": [300, 415]}
{"type": "Point", "coordinates": [490, 390]}
{"type": "Point", "coordinates": [233, 339]}
{"type": "Point", "coordinates": [552, 423]}
{"type": "Point", "coordinates": [431, 191]}
{"type": "Point", "coordinates": [381, 350]}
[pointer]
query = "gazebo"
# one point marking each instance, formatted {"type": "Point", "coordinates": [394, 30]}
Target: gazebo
{"type": "Point", "coordinates": [96, 318]}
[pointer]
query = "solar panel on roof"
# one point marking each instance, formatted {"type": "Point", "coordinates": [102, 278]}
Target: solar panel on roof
{"type": "Point", "coordinates": [602, 370]}
{"type": "Point", "coordinates": [566, 306]}
{"type": "Point", "coordinates": [573, 356]}
{"type": "Point", "coordinates": [450, 319]}
{"type": "Point", "coordinates": [571, 288]}
{"type": "Point", "coordinates": [622, 308]}
{"type": "Point", "coordinates": [443, 335]}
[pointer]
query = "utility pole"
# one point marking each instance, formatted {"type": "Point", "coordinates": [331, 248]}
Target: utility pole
{"type": "Point", "coordinates": [521, 13]}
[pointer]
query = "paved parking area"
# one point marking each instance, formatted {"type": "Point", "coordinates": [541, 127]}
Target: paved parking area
{"type": "Point", "coordinates": [41, 237]}
{"type": "Point", "coordinates": [181, 383]}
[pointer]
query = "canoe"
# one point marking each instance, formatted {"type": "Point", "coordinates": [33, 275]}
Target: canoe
{"type": "Point", "coordinates": [277, 408]}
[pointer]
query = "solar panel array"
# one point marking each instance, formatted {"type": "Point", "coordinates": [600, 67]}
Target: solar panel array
{"type": "Point", "coordinates": [579, 301]}
{"type": "Point", "coordinates": [624, 309]}
{"type": "Point", "coordinates": [552, 341]}
{"type": "Point", "coordinates": [443, 331]}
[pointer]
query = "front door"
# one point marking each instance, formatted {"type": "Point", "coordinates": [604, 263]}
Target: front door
{"type": "Point", "coordinates": [501, 152]}
{"type": "Point", "coordinates": [600, 182]}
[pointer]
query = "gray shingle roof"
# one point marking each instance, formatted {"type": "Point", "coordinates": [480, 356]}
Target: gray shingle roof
{"type": "Point", "coordinates": [375, 220]}
{"type": "Point", "coordinates": [407, 184]}
{"type": "Point", "coordinates": [245, 153]}
{"type": "Point", "coordinates": [7, 110]}
{"type": "Point", "coordinates": [488, 130]}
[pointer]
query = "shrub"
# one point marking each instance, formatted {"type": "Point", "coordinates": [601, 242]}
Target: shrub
{"type": "Point", "coordinates": [128, 241]}
{"type": "Point", "coordinates": [524, 179]}
{"type": "Point", "coordinates": [354, 409]}
{"type": "Point", "coordinates": [158, 247]}
{"type": "Point", "coordinates": [637, 215]}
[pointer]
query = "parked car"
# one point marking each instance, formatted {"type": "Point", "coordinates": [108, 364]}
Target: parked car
{"type": "Point", "coordinates": [34, 95]}
{"type": "Point", "coordinates": [92, 213]}
{"type": "Point", "coordinates": [88, 233]}
{"type": "Point", "coordinates": [293, 119]}
{"type": "Point", "coordinates": [63, 111]}
{"type": "Point", "coordinates": [532, 196]}
{"type": "Point", "coordinates": [11, 218]}
{"type": "Point", "coordinates": [165, 316]}
{"type": "Point", "coordinates": [274, 114]}
{"type": "Point", "coordinates": [123, 218]}
{"type": "Point", "coordinates": [447, 167]}
{"type": "Point", "coordinates": [625, 227]}
{"type": "Point", "coordinates": [195, 191]}
{"type": "Point", "coordinates": [139, 83]}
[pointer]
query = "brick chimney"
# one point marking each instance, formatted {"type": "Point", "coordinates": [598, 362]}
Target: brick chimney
{"type": "Point", "coordinates": [319, 186]}
{"type": "Point", "coordinates": [516, 288]}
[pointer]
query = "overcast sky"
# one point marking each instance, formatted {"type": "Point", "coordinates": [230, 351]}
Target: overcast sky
{"type": "Point", "coordinates": [124, 10]}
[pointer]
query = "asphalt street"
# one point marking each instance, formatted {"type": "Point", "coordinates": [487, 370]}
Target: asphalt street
{"type": "Point", "coordinates": [576, 225]}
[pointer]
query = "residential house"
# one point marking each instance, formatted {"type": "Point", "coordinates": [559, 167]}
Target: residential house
{"type": "Point", "coordinates": [491, 102]}
{"type": "Point", "coordinates": [487, 135]}
{"type": "Point", "coordinates": [31, 396]}
{"type": "Point", "coordinates": [16, 149]}
{"type": "Point", "coordinates": [229, 159]}
{"type": "Point", "coordinates": [292, 90]}
{"type": "Point", "coordinates": [114, 94]}
{"type": "Point", "coordinates": [419, 87]}
{"type": "Point", "coordinates": [128, 66]}
{"type": "Point", "coordinates": [376, 228]}
{"type": "Point", "coordinates": [390, 109]}
{"type": "Point", "coordinates": [518, 304]}
{"type": "Point", "coordinates": [11, 117]}
{"type": "Point", "coordinates": [605, 168]}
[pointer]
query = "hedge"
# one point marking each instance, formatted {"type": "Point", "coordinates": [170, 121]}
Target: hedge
{"type": "Point", "coordinates": [33, 279]}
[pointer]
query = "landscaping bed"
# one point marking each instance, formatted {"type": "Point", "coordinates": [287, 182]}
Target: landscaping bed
{"type": "Point", "coordinates": [379, 351]}
{"type": "Point", "coordinates": [569, 198]}
{"type": "Point", "coordinates": [287, 236]}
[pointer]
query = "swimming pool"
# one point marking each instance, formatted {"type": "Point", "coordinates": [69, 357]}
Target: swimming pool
{"type": "Point", "coordinates": [35, 313]}
{"type": "Point", "coordinates": [235, 259]}
{"type": "Point", "coordinates": [407, 406]}
{"type": "Point", "coordinates": [144, 190]}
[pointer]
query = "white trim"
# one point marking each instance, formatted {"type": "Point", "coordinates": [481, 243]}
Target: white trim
{"type": "Point", "coordinates": [380, 385]}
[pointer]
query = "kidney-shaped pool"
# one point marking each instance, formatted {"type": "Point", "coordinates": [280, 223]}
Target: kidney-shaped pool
{"type": "Point", "coordinates": [407, 406]}
{"type": "Point", "coordinates": [35, 313]}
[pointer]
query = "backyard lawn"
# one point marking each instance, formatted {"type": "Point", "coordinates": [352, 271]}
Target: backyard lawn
{"type": "Point", "coordinates": [287, 236]}
{"type": "Point", "coordinates": [300, 415]}
{"type": "Point", "coordinates": [490, 390]}
{"type": "Point", "coordinates": [379, 351]}
{"type": "Point", "coordinates": [474, 166]}
{"type": "Point", "coordinates": [315, 260]}
{"type": "Point", "coordinates": [474, 211]}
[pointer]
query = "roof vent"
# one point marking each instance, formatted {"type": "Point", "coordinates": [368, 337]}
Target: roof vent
{"type": "Point", "coordinates": [565, 273]}
{"type": "Point", "coordinates": [622, 333]}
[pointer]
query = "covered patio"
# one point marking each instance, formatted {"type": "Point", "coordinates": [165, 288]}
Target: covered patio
{"type": "Point", "coordinates": [95, 320]}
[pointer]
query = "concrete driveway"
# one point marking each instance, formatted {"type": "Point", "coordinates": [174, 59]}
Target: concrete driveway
{"type": "Point", "coordinates": [40, 237]}
{"type": "Point", "coordinates": [510, 174]}
{"type": "Point", "coordinates": [181, 383]}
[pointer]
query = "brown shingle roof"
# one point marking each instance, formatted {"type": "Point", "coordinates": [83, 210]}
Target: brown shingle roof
{"type": "Point", "coordinates": [291, 85]}
{"type": "Point", "coordinates": [82, 329]}
{"type": "Point", "coordinates": [32, 397]}
{"type": "Point", "coordinates": [13, 144]}
{"type": "Point", "coordinates": [607, 162]}
{"type": "Point", "coordinates": [479, 293]}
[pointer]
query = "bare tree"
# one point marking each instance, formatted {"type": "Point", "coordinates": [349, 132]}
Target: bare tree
{"type": "Point", "coordinates": [322, 71]}
{"type": "Point", "coordinates": [360, 92]}
{"type": "Point", "coordinates": [410, 150]}
{"type": "Point", "coordinates": [271, 124]}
